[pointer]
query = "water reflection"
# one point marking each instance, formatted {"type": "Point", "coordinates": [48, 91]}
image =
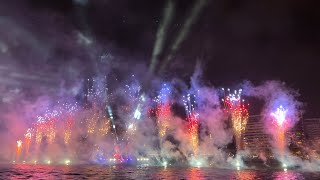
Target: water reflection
{"type": "Point", "coordinates": [246, 175]}
{"type": "Point", "coordinates": [292, 175]}
{"type": "Point", "coordinates": [166, 173]}
{"type": "Point", "coordinates": [195, 174]}
{"type": "Point", "coordinates": [34, 172]}
{"type": "Point", "coordinates": [105, 172]}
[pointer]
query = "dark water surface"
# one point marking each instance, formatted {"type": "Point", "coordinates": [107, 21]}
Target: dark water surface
{"type": "Point", "coordinates": [117, 172]}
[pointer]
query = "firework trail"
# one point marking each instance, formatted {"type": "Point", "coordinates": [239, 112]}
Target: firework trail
{"type": "Point", "coordinates": [19, 146]}
{"type": "Point", "coordinates": [39, 133]}
{"type": "Point", "coordinates": [234, 104]}
{"type": "Point", "coordinates": [28, 137]}
{"type": "Point", "coordinates": [92, 120]}
{"type": "Point", "coordinates": [280, 120]}
{"type": "Point", "coordinates": [101, 113]}
{"type": "Point", "coordinates": [163, 109]}
{"type": "Point", "coordinates": [69, 121]}
{"type": "Point", "coordinates": [163, 113]}
{"type": "Point", "coordinates": [97, 99]}
{"type": "Point", "coordinates": [51, 131]}
{"type": "Point", "coordinates": [193, 122]}
{"type": "Point", "coordinates": [104, 126]}
{"type": "Point", "coordinates": [117, 155]}
{"type": "Point", "coordinates": [136, 100]}
{"type": "Point", "coordinates": [67, 130]}
{"type": "Point", "coordinates": [112, 122]}
{"type": "Point", "coordinates": [46, 126]}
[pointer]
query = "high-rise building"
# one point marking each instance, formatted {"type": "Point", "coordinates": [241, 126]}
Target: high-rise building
{"type": "Point", "coordinates": [312, 129]}
{"type": "Point", "coordinates": [255, 138]}
{"type": "Point", "coordinates": [296, 139]}
{"type": "Point", "coordinates": [305, 131]}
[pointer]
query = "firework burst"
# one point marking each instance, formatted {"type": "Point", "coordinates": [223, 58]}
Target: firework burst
{"type": "Point", "coordinates": [163, 109]}
{"type": "Point", "coordinates": [235, 105]}
{"type": "Point", "coordinates": [69, 110]}
{"type": "Point", "coordinates": [280, 119]}
{"type": "Point", "coordinates": [28, 137]}
{"type": "Point", "coordinates": [136, 99]}
{"type": "Point", "coordinates": [193, 122]}
{"type": "Point", "coordinates": [46, 126]}
{"type": "Point", "coordinates": [280, 116]}
{"type": "Point", "coordinates": [19, 146]}
{"type": "Point", "coordinates": [104, 126]}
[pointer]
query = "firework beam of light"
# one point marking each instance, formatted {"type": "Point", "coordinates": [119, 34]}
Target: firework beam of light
{"type": "Point", "coordinates": [28, 137]}
{"type": "Point", "coordinates": [19, 146]}
{"type": "Point", "coordinates": [137, 113]}
{"type": "Point", "coordinates": [163, 109]}
{"type": "Point", "coordinates": [162, 33]}
{"type": "Point", "coordinates": [137, 100]}
{"type": "Point", "coordinates": [193, 122]}
{"type": "Point", "coordinates": [195, 12]}
{"type": "Point", "coordinates": [235, 105]}
{"type": "Point", "coordinates": [280, 119]}
{"type": "Point", "coordinates": [113, 124]}
{"type": "Point", "coordinates": [117, 155]}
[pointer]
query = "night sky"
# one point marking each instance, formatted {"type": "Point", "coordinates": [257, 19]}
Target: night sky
{"type": "Point", "coordinates": [235, 40]}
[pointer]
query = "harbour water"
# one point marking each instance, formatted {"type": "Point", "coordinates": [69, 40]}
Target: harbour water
{"type": "Point", "coordinates": [24, 171]}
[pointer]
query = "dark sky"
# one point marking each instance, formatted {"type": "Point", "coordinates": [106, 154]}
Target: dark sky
{"type": "Point", "coordinates": [235, 40]}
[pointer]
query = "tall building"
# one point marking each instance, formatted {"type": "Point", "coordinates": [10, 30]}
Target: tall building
{"type": "Point", "coordinates": [255, 138]}
{"type": "Point", "coordinates": [303, 137]}
{"type": "Point", "coordinates": [296, 135]}
{"type": "Point", "coordinates": [296, 139]}
{"type": "Point", "coordinates": [312, 129]}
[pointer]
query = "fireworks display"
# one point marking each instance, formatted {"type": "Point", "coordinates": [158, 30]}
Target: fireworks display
{"type": "Point", "coordinates": [28, 137]}
{"type": "Point", "coordinates": [163, 109]}
{"type": "Point", "coordinates": [280, 116]}
{"type": "Point", "coordinates": [193, 122]}
{"type": "Point", "coordinates": [280, 119]}
{"type": "Point", "coordinates": [235, 105]}
{"type": "Point", "coordinates": [132, 87]}
{"type": "Point", "coordinates": [19, 146]}
{"type": "Point", "coordinates": [109, 125]}
{"type": "Point", "coordinates": [136, 100]}
{"type": "Point", "coordinates": [104, 126]}
{"type": "Point", "coordinates": [92, 120]}
{"type": "Point", "coordinates": [68, 129]}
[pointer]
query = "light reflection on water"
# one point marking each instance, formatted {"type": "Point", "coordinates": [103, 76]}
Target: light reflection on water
{"type": "Point", "coordinates": [246, 175]}
{"type": "Point", "coordinates": [288, 175]}
{"type": "Point", "coordinates": [195, 174]}
{"type": "Point", "coordinates": [119, 172]}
